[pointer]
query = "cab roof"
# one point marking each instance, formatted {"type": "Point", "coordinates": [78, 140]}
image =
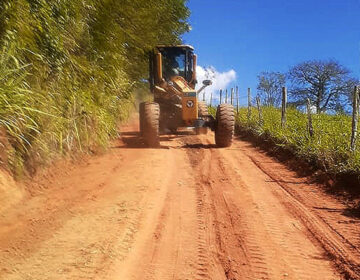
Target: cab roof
{"type": "Point", "coordinates": [176, 46]}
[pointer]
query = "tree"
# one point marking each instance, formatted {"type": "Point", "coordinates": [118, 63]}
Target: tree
{"type": "Point", "coordinates": [68, 68]}
{"type": "Point", "coordinates": [269, 87]}
{"type": "Point", "coordinates": [325, 82]}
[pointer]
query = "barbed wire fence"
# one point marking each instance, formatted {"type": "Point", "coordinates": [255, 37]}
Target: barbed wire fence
{"type": "Point", "coordinates": [233, 96]}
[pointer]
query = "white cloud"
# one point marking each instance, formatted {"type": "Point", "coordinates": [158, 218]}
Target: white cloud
{"type": "Point", "coordinates": [220, 80]}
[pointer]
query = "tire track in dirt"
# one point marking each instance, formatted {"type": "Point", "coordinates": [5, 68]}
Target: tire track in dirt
{"type": "Point", "coordinates": [202, 259]}
{"type": "Point", "coordinates": [80, 223]}
{"type": "Point", "coordinates": [335, 239]}
{"type": "Point", "coordinates": [99, 227]}
{"type": "Point", "coordinates": [209, 266]}
{"type": "Point", "coordinates": [177, 246]}
{"type": "Point", "coordinates": [202, 162]}
{"type": "Point", "coordinates": [186, 211]}
{"type": "Point", "coordinates": [266, 247]}
{"type": "Point", "coordinates": [253, 258]}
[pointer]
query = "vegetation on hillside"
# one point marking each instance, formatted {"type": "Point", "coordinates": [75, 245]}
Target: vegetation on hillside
{"type": "Point", "coordinates": [328, 149]}
{"type": "Point", "coordinates": [329, 87]}
{"type": "Point", "coordinates": [68, 70]}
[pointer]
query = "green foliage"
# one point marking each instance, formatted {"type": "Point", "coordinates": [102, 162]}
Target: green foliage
{"type": "Point", "coordinates": [68, 69]}
{"type": "Point", "coordinates": [329, 148]}
{"type": "Point", "coordinates": [212, 110]}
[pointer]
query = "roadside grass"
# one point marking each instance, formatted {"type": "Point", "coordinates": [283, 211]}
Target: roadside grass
{"type": "Point", "coordinates": [328, 149]}
{"type": "Point", "coordinates": [66, 116]}
{"type": "Point", "coordinates": [70, 71]}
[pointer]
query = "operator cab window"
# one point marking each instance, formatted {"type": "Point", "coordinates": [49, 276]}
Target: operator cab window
{"type": "Point", "coordinates": [189, 66]}
{"type": "Point", "coordinates": [174, 62]}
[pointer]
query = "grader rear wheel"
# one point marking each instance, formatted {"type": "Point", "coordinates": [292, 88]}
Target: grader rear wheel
{"type": "Point", "coordinates": [225, 124]}
{"type": "Point", "coordinates": [149, 123]}
{"type": "Point", "coordinates": [203, 112]}
{"type": "Point", "coordinates": [202, 109]}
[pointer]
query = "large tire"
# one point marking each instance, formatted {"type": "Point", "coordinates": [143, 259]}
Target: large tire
{"type": "Point", "coordinates": [170, 118]}
{"type": "Point", "coordinates": [225, 124]}
{"type": "Point", "coordinates": [203, 113]}
{"type": "Point", "coordinates": [202, 109]}
{"type": "Point", "coordinates": [150, 124]}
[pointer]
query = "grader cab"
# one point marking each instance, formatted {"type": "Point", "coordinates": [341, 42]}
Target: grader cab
{"type": "Point", "coordinates": [176, 104]}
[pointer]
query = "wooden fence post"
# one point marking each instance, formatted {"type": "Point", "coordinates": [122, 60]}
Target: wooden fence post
{"type": "Point", "coordinates": [237, 99]}
{"type": "Point", "coordinates": [261, 120]}
{"type": "Point", "coordinates": [249, 103]}
{"type": "Point", "coordinates": [210, 99]}
{"type": "Point", "coordinates": [226, 96]}
{"type": "Point", "coordinates": [355, 118]}
{"type": "Point", "coordinates": [204, 96]}
{"type": "Point", "coordinates": [283, 107]}
{"type": "Point", "coordinates": [232, 96]}
{"type": "Point", "coordinates": [310, 126]}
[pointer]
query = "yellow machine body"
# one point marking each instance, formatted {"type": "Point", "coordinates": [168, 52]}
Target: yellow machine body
{"type": "Point", "coordinates": [167, 87]}
{"type": "Point", "coordinates": [188, 100]}
{"type": "Point", "coordinates": [172, 81]}
{"type": "Point", "coordinates": [189, 108]}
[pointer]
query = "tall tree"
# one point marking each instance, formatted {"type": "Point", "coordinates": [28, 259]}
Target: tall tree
{"type": "Point", "coordinates": [326, 83]}
{"type": "Point", "coordinates": [269, 87]}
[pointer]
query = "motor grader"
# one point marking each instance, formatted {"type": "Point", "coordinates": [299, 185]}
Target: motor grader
{"type": "Point", "coordinates": [176, 102]}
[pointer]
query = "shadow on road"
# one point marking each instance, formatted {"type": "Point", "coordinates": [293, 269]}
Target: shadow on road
{"type": "Point", "coordinates": [199, 146]}
{"type": "Point", "coordinates": [188, 140]}
{"type": "Point", "coordinates": [132, 139]}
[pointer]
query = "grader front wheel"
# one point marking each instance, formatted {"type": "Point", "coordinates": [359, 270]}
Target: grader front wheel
{"type": "Point", "coordinates": [149, 123]}
{"type": "Point", "coordinates": [225, 124]}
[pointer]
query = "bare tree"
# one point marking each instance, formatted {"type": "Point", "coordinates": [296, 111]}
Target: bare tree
{"type": "Point", "coordinates": [269, 87]}
{"type": "Point", "coordinates": [326, 83]}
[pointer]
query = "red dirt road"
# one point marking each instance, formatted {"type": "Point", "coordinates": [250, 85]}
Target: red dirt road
{"type": "Point", "coordinates": [185, 211]}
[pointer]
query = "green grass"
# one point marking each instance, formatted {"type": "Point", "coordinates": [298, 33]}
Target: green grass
{"type": "Point", "coordinates": [329, 148]}
{"type": "Point", "coordinates": [62, 119]}
{"type": "Point", "coordinates": [70, 71]}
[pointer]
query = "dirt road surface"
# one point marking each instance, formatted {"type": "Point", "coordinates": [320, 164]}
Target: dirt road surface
{"type": "Point", "coordinates": [187, 210]}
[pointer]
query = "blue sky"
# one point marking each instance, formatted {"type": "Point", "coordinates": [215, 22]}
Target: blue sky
{"type": "Point", "coordinates": [250, 36]}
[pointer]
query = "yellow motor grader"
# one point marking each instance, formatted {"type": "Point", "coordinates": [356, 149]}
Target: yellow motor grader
{"type": "Point", "coordinates": [176, 103]}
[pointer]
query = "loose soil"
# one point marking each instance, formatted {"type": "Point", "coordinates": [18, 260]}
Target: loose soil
{"type": "Point", "coordinates": [186, 210]}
